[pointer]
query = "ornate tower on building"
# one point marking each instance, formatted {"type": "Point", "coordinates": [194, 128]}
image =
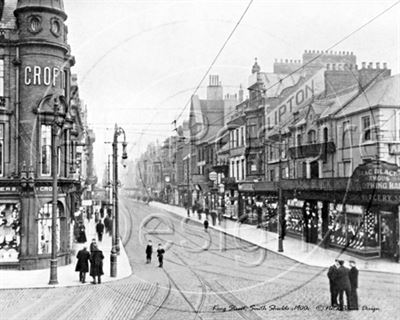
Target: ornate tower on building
{"type": "Point", "coordinates": [36, 118]}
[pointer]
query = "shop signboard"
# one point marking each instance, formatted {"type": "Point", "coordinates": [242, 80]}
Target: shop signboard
{"type": "Point", "coordinates": [376, 176]}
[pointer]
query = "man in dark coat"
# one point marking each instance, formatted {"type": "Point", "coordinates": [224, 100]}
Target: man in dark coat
{"type": "Point", "coordinates": [353, 275]}
{"type": "Point", "coordinates": [160, 255]}
{"type": "Point", "coordinates": [96, 264]}
{"type": "Point", "coordinates": [149, 251]}
{"type": "Point", "coordinates": [82, 233]}
{"type": "Point", "coordinates": [343, 284]}
{"type": "Point", "coordinates": [100, 230]}
{"type": "Point", "coordinates": [82, 264]}
{"type": "Point", "coordinates": [107, 224]}
{"type": "Point", "coordinates": [332, 275]}
{"type": "Point", "coordinates": [93, 245]}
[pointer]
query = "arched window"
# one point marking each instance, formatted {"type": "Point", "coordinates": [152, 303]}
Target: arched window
{"type": "Point", "coordinates": [326, 134]}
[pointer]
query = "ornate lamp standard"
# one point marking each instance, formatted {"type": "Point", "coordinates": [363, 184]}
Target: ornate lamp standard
{"type": "Point", "coordinates": [61, 121]}
{"type": "Point", "coordinates": [115, 227]}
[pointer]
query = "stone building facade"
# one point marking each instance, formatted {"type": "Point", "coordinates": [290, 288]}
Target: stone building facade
{"type": "Point", "coordinates": [35, 72]}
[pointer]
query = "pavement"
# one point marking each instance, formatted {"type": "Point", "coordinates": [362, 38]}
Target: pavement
{"type": "Point", "coordinates": [67, 276]}
{"type": "Point", "coordinates": [295, 249]}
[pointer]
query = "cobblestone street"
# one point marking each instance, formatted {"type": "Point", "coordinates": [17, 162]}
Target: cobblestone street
{"type": "Point", "coordinates": [201, 281]}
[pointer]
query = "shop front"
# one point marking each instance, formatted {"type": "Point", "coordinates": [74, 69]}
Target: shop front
{"type": "Point", "coordinates": [231, 199]}
{"type": "Point", "coordinates": [10, 226]}
{"type": "Point", "coordinates": [359, 215]}
{"type": "Point", "coordinates": [26, 225]}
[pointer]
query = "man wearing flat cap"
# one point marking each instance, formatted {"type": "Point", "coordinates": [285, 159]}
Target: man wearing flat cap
{"type": "Point", "coordinates": [332, 275]}
{"type": "Point", "coordinates": [343, 285]}
{"type": "Point", "coordinates": [353, 276]}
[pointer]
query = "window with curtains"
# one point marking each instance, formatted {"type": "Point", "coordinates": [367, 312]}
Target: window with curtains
{"type": "Point", "coordinates": [45, 148]}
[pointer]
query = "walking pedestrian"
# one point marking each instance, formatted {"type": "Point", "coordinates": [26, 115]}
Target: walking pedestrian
{"type": "Point", "coordinates": [353, 275]}
{"type": "Point", "coordinates": [332, 275]}
{"type": "Point", "coordinates": [205, 225]}
{"type": "Point", "coordinates": [82, 264]}
{"type": "Point", "coordinates": [96, 216]}
{"type": "Point", "coordinates": [149, 251]}
{"type": "Point", "coordinates": [108, 224]}
{"type": "Point", "coordinates": [343, 284]}
{"type": "Point", "coordinates": [160, 255]}
{"type": "Point", "coordinates": [93, 245]}
{"type": "Point", "coordinates": [100, 230]}
{"type": "Point", "coordinates": [96, 264]}
{"type": "Point", "coordinates": [82, 233]}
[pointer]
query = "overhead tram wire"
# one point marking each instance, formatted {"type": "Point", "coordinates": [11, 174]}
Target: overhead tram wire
{"type": "Point", "coordinates": [313, 59]}
{"type": "Point", "coordinates": [216, 58]}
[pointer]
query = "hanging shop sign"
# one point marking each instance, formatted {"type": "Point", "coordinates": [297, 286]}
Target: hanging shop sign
{"type": "Point", "coordinates": [213, 176]}
{"type": "Point", "coordinates": [377, 175]}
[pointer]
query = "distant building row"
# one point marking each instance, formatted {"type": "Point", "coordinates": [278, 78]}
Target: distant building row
{"type": "Point", "coordinates": [322, 129]}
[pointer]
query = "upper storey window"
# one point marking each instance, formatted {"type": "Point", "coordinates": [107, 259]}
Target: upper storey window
{"type": "Point", "coordinates": [35, 24]}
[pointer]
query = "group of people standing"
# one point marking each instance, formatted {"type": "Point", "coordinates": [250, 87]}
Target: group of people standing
{"type": "Point", "coordinates": [95, 257]}
{"type": "Point", "coordinates": [160, 253]}
{"type": "Point", "coordinates": [343, 280]}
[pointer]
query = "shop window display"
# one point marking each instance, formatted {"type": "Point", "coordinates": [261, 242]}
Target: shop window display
{"type": "Point", "coordinates": [44, 223]}
{"type": "Point", "coordinates": [295, 217]}
{"type": "Point", "coordinates": [354, 228]}
{"type": "Point", "coordinates": [9, 232]}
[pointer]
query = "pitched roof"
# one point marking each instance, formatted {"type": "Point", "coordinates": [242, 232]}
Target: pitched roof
{"type": "Point", "coordinates": [384, 92]}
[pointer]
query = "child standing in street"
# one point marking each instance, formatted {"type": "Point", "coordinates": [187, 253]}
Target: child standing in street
{"type": "Point", "coordinates": [160, 255]}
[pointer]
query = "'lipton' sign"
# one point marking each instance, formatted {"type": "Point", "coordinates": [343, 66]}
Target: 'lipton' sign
{"type": "Point", "coordinates": [310, 88]}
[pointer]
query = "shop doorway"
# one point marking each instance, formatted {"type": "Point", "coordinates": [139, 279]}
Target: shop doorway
{"type": "Point", "coordinates": [388, 223]}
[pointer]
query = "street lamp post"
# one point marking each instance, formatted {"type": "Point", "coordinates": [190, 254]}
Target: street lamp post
{"type": "Point", "coordinates": [281, 216]}
{"type": "Point", "coordinates": [117, 132]}
{"type": "Point", "coordinates": [57, 126]}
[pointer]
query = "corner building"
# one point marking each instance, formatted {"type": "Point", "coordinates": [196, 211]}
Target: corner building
{"type": "Point", "coordinates": [35, 64]}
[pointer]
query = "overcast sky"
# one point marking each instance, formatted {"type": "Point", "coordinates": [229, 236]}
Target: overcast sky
{"type": "Point", "coordinates": [138, 62]}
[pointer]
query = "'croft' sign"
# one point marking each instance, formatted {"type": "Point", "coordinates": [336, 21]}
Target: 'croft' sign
{"type": "Point", "coordinates": [44, 76]}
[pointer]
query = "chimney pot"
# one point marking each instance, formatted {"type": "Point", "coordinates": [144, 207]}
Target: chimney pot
{"type": "Point", "coordinates": [370, 65]}
{"type": "Point", "coordinates": [286, 60]}
{"type": "Point", "coordinates": [378, 65]}
{"type": "Point", "coordinates": [327, 66]}
{"type": "Point", "coordinates": [384, 65]}
{"type": "Point", "coordinates": [363, 64]}
{"type": "Point", "coordinates": [333, 66]}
